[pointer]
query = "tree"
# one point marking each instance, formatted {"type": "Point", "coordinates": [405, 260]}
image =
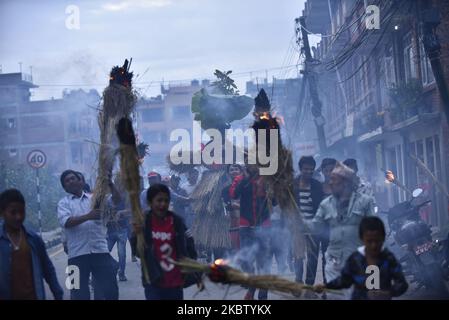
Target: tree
{"type": "Point", "coordinates": [224, 84]}
{"type": "Point", "coordinates": [23, 178]}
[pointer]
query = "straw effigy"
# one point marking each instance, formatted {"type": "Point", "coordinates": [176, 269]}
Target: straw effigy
{"type": "Point", "coordinates": [129, 170]}
{"type": "Point", "coordinates": [118, 102]}
{"type": "Point", "coordinates": [211, 225]}
{"type": "Point", "coordinates": [280, 185]}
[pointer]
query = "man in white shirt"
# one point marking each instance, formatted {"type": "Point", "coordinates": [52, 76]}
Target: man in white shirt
{"type": "Point", "coordinates": [153, 178]}
{"type": "Point", "coordinates": [86, 240]}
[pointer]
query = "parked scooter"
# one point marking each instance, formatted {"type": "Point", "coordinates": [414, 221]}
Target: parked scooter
{"type": "Point", "coordinates": [422, 257]}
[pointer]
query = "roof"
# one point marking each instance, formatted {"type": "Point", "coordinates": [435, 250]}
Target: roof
{"type": "Point", "coordinates": [16, 79]}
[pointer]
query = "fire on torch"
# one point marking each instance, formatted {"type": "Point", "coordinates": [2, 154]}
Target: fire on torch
{"type": "Point", "coordinates": [390, 178]}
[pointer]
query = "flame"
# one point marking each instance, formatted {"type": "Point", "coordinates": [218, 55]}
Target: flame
{"type": "Point", "coordinates": [390, 176]}
{"type": "Point", "coordinates": [220, 262]}
{"type": "Point", "coordinates": [264, 116]}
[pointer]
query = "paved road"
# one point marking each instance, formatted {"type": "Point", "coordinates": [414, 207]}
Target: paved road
{"type": "Point", "coordinates": [132, 289]}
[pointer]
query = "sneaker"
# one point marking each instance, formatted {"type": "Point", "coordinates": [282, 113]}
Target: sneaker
{"type": "Point", "coordinates": [122, 278]}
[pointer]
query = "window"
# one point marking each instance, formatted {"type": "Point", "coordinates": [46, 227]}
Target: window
{"type": "Point", "coordinates": [390, 75]}
{"type": "Point", "coordinates": [426, 69]}
{"type": "Point", "coordinates": [12, 123]}
{"type": "Point", "coordinates": [12, 152]}
{"type": "Point", "coordinates": [156, 137]}
{"type": "Point", "coordinates": [400, 171]}
{"type": "Point", "coordinates": [77, 152]}
{"type": "Point", "coordinates": [409, 63]}
{"type": "Point", "coordinates": [153, 115]}
{"type": "Point", "coordinates": [428, 151]}
{"type": "Point", "coordinates": [73, 122]}
{"type": "Point", "coordinates": [181, 112]}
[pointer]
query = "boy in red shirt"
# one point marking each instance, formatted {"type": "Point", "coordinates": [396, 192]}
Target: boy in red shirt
{"type": "Point", "coordinates": [167, 240]}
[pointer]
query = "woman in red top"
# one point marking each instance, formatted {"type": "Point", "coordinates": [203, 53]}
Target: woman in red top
{"type": "Point", "coordinates": [233, 207]}
{"type": "Point", "coordinates": [167, 240]}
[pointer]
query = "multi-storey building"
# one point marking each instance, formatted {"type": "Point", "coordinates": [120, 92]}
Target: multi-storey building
{"type": "Point", "coordinates": [380, 99]}
{"type": "Point", "coordinates": [159, 116]}
{"type": "Point", "coordinates": [64, 129]}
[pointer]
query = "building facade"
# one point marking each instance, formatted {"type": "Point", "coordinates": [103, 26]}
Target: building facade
{"type": "Point", "coordinates": [380, 98]}
{"type": "Point", "coordinates": [158, 117]}
{"type": "Point", "coordinates": [64, 129]}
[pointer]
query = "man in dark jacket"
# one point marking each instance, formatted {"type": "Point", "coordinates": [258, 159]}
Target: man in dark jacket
{"type": "Point", "coordinates": [255, 221]}
{"type": "Point", "coordinates": [308, 194]}
{"type": "Point", "coordinates": [24, 262]}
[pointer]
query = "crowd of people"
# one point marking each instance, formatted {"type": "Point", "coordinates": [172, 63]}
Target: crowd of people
{"type": "Point", "coordinates": [342, 234]}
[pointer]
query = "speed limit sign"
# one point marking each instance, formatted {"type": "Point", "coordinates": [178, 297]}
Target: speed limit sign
{"type": "Point", "coordinates": [36, 159]}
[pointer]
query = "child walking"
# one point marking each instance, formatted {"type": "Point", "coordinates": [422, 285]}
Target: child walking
{"type": "Point", "coordinates": [362, 264]}
{"type": "Point", "coordinates": [167, 239]}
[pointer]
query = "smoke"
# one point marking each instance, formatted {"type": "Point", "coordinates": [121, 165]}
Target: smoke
{"type": "Point", "coordinates": [79, 69]}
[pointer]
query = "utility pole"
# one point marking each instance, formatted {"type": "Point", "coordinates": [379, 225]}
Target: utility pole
{"type": "Point", "coordinates": [311, 78]}
{"type": "Point", "coordinates": [432, 46]}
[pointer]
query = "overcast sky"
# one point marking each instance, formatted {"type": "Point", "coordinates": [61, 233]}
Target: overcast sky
{"type": "Point", "coordinates": [171, 39]}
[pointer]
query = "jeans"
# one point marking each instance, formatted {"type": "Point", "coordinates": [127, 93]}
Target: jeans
{"type": "Point", "coordinates": [153, 292]}
{"type": "Point", "coordinates": [103, 269]}
{"type": "Point", "coordinates": [313, 250]}
{"type": "Point", "coordinates": [255, 248]}
{"type": "Point", "coordinates": [119, 237]}
{"type": "Point", "coordinates": [314, 244]}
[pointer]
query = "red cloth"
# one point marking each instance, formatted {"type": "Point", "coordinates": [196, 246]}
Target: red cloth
{"type": "Point", "coordinates": [426, 211]}
{"type": "Point", "coordinates": [164, 246]}
{"type": "Point", "coordinates": [258, 195]}
{"type": "Point", "coordinates": [234, 185]}
{"type": "Point", "coordinates": [234, 233]}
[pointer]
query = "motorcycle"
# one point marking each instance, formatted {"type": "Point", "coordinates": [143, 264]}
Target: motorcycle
{"type": "Point", "coordinates": [420, 255]}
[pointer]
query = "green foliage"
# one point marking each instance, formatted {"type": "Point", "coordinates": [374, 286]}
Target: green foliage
{"type": "Point", "coordinates": [143, 149]}
{"type": "Point", "coordinates": [218, 111]}
{"type": "Point", "coordinates": [224, 105]}
{"type": "Point", "coordinates": [224, 83]}
{"type": "Point", "coordinates": [23, 178]}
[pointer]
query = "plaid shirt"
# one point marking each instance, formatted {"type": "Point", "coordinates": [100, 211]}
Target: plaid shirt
{"type": "Point", "coordinates": [355, 273]}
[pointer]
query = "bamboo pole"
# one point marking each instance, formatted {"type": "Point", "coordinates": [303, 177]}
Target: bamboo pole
{"type": "Point", "coordinates": [429, 173]}
{"type": "Point", "coordinates": [228, 275]}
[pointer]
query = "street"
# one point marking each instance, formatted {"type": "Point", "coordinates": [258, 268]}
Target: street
{"type": "Point", "coordinates": [132, 289]}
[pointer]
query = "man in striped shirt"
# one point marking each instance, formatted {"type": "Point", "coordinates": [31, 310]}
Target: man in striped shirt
{"type": "Point", "coordinates": [309, 194]}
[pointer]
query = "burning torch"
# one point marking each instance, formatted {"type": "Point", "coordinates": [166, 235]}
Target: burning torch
{"type": "Point", "coordinates": [390, 178]}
